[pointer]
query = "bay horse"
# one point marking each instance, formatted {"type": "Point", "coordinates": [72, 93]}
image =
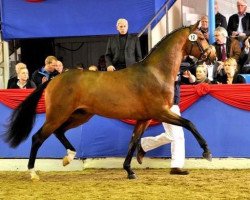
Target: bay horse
{"type": "Point", "coordinates": [142, 92]}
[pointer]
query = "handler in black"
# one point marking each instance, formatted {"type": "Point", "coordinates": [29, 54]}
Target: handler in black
{"type": "Point", "coordinates": [123, 49]}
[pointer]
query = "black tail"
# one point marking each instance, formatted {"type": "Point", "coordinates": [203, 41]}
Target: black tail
{"type": "Point", "coordinates": [23, 118]}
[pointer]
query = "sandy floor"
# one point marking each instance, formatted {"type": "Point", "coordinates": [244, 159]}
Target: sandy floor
{"type": "Point", "coordinates": [151, 184]}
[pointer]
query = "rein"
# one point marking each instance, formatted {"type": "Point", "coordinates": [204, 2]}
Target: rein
{"type": "Point", "coordinates": [203, 56]}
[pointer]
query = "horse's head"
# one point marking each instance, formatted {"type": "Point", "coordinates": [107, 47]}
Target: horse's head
{"type": "Point", "coordinates": [198, 46]}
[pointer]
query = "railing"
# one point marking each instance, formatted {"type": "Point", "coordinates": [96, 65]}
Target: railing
{"type": "Point", "coordinates": [163, 11]}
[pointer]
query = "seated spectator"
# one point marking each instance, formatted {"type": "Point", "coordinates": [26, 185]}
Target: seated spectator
{"type": "Point", "coordinates": [59, 67]}
{"type": "Point", "coordinates": [238, 24]}
{"type": "Point", "coordinates": [225, 48]}
{"type": "Point", "coordinates": [244, 60]}
{"type": "Point", "coordinates": [23, 80]}
{"type": "Point", "coordinates": [12, 81]}
{"type": "Point", "coordinates": [47, 72]}
{"type": "Point", "coordinates": [231, 70]}
{"type": "Point", "coordinates": [93, 68]}
{"type": "Point", "coordinates": [220, 20]}
{"type": "Point", "coordinates": [201, 75]}
{"type": "Point", "coordinates": [204, 27]}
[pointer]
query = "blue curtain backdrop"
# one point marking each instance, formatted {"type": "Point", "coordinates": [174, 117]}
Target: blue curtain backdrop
{"type": "Point", "coordinates": [66, 18]}
{"type": "Point", "coordinates": [225, 128]}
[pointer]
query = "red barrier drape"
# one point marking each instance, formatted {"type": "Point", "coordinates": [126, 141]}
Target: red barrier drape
{"type": "Point", "coordinates": [237, 95]}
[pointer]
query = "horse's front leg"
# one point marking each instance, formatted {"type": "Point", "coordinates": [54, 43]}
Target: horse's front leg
{"type": "Point", "coordinates": [139, 129]}
{"type": "Point", "coordinates": [172, 118]}
{"type": "Point", "coordinates": [71, 152]}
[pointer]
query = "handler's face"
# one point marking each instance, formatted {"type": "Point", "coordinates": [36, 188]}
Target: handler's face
{"type": "Point", "coordinates": [122, 28]}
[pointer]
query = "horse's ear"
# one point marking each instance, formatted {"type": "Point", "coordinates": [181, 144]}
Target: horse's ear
{"type": "Point", "coordinates": [195, 26]}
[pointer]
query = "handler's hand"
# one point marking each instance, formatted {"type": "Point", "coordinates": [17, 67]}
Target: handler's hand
{"type": "Point", "coordinates": [110, 68]}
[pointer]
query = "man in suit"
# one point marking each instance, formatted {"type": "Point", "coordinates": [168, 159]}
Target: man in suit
{"type": "Point", "coordinates": [220, 20]}
{"type": "Point", "coordinates": [239, 24]}
{"type": "Point", "coordinates": [123, 49]}
{"type": "Point", "coordinates": [225, 48]}
{"type": "Point", "coordinates": [244, 61]}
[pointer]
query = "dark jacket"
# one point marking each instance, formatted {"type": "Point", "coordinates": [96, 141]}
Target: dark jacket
{"type": "Point", "coordinates": [220, 20]}
{"type": "Point", "coordinates": [12, 81]}
{"type": "Point", "coordinates": [233, 49]}
{"type": "Point", "coordinates": [233, 24]}
{"type": "Point", "coordinates": [40, 73]}
{"type": "Point", "coordinates": [132, 50]}
{"type": "Point", "coordinates": [29, 84]}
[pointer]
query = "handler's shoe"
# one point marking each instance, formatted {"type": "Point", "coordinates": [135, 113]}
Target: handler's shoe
{"type": "Point", "coordinates": [178, 171]}
{"type": "Point", "coordinates": [140, 154]}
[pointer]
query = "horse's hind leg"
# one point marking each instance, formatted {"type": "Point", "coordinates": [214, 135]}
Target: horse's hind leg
{"type": "Point", "coordinates": [172, 118]}
{"type": "Point", "coordinates": [139, 129]}
{"type": "Point", "coordinates": [37, 140]}
{"type": "Point", "coordinates": [77, 118]}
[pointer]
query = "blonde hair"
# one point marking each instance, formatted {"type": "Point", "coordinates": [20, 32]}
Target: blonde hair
{"type": "Point", "coordinates": [50, 59]}
{"type": "Point", "coordinates": [231, 62]}
{"type": "Point", "coordinates": [204, 68]}
{"type": "Point", "coordinates": [20, 66]}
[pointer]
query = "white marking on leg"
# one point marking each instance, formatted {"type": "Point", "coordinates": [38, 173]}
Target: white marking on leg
{"type": "Point", "coordinates": [33, 175]}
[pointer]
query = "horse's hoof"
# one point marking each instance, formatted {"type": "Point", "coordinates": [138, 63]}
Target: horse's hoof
{"type": "Point", "coordinates": [207, 155]}
{"type": "Point", "coordinates": [35, 177]}
{"type": "Point", "coordinates": [65, 161]}
{"type": "Point", "coordinates": [132, 176]}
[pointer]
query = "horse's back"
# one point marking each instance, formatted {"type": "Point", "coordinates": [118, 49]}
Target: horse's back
{"type": "Point", "coordinates": [120, 94]}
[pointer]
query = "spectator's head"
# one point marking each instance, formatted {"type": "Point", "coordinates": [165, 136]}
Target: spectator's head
{"type": "Point", "coordinates": [216, 7]}
{"type": "Point", "coordinates": [59, 67]}
{"type": "Point", "coordinates": [230, 67]}
{"type": "Point", "coordinates": [220, 35]}
{"type": "Point", "coordinates": [93, 68]}
{"type": "Point", "coordinates": [201, 73]}
{"type": "Point", "coordinates": [204, 22]}
{"type": "Point", "coordinates": [122, 26]}
{"type": "Point", "coordinates": [241, 6]}
{"type": "Point", "coordinates": [50, 63]}
{"type": "Point", "coordinates": [23, 74]}
{"type": "Point", "coordinates": [18, 66]}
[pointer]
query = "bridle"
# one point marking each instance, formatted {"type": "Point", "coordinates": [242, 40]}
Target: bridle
{"type": "Point", "coordinates": [204, 53]}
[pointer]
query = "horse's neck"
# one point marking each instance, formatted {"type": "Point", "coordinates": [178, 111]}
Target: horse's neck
{"type": "Point", "coordinates": [168, 55]}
